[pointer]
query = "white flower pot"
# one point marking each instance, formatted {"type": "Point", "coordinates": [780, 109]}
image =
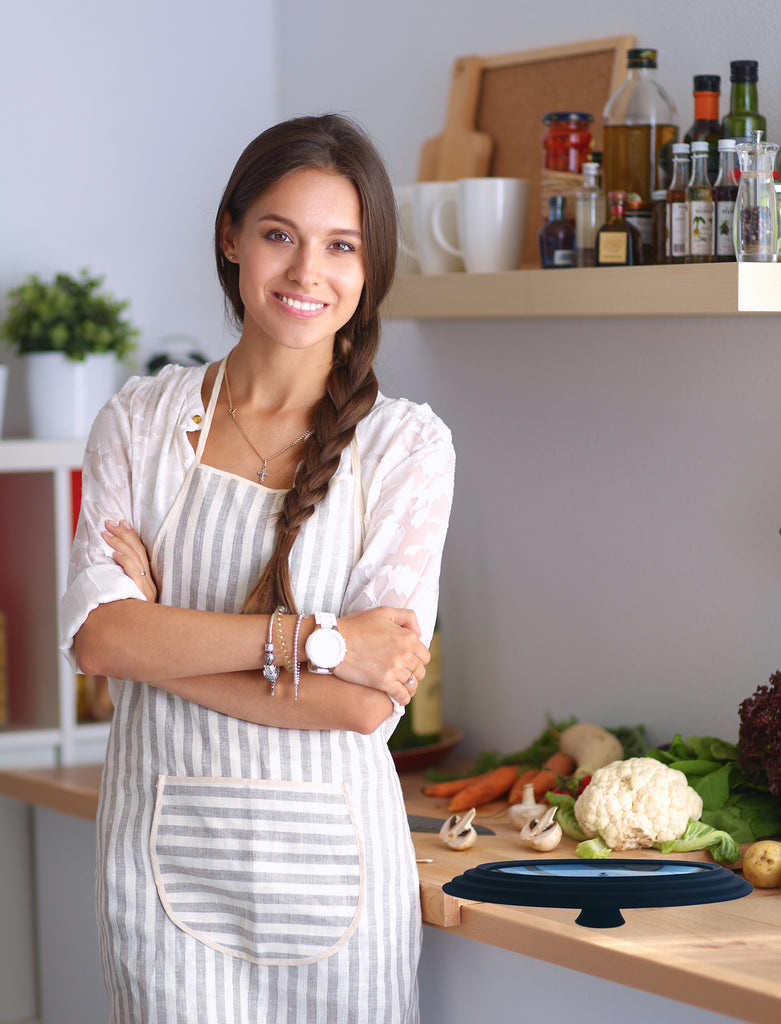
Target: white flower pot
{"type": "Point", "coordinates": [64, 395]}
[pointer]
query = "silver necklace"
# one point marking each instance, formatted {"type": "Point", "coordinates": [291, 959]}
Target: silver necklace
{"type": "Point", "coordinates": [263, 471]}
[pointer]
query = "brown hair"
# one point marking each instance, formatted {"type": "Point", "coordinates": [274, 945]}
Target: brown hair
{"type": "Point", "coordinates": [330, 143]}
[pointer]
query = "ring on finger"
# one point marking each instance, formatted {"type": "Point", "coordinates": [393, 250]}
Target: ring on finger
{"type": "Point", "coordinates": [143, 573]}
{"type": "Point", "coordinates": [411, 681]}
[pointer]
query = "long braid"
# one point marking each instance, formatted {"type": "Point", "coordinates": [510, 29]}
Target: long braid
{"type": "Point", "coordinates": [336, 416]}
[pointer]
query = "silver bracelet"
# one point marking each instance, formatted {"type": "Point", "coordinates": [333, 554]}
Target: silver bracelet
{"type": "Point", "coordinates": [296, 665]}
{"type": "Point", "coordinates": [270, 670]}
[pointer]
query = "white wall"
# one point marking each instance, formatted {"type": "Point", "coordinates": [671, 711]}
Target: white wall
{"type": "Point", "coordinates": [121, 124]}
{"type": "Point", "coordinates": [614, 550]}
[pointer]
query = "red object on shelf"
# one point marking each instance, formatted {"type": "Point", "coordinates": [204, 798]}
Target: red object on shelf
{"type": "Point", "coordinates": [75, 496]}
{"type": "Point", "coordinates": [567, 141]}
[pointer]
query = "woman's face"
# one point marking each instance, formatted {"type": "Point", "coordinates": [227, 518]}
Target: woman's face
{"type": "Point", "coordinates": [299, 250]}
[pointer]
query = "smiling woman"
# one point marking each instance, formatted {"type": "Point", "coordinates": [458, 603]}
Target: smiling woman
{"type": "Point", "coordinates": [254, 859]}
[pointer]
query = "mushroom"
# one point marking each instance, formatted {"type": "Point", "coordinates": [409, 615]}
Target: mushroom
{"type": "Point", "coordinates": [543, 833]}
{"type": "Point", "coordinates": [528, 809]}
{"type": "Point", "coordinates": [457, 831]}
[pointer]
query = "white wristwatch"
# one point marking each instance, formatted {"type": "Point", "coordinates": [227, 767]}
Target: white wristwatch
{"type": "Point", "coordinates": [325, 647]}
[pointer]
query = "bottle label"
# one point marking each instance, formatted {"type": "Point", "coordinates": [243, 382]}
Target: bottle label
{"type": "Point", "coordinates": [679, 229]}
{"type": "Point", "coordinates": [563, 258]}
{"type": "Point", "coordinates": [700, 227]}
{"type": "Point", "coordinates": [725, 214]}
{"type": "Point", "coordinates": [642, 221]}
{"type": "Point", "coordinates": [613, 247]}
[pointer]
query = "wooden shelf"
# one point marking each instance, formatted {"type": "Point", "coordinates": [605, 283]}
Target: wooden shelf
{"type": "Point", "coordinates": [711, 289]}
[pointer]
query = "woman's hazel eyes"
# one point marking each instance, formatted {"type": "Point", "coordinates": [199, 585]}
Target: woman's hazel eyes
{"type": "Point", "coordinates": [279, 235]}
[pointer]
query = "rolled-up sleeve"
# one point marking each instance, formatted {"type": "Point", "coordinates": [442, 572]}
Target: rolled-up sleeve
{"type": "Point", "coordinates": [93, 576]}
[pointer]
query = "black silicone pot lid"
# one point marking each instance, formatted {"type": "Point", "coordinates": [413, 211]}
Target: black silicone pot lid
{"type": "Point", "coordinates": [599, 889]}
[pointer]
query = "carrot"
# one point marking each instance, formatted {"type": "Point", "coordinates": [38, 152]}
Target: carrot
{"type": "Point", "coordinates": [560, 763]}
{"type": "Point", "coordinates": [544, 781]}
{"type": "Point", "coordinates": [493, 785]}
{"type": "Point", "coordinates": [515, 796]}
{"type": "Point", "coordinates": [451, 787]}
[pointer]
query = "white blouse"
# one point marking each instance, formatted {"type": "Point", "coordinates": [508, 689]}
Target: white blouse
{"type": "Point", "coordinates": [138, 454]}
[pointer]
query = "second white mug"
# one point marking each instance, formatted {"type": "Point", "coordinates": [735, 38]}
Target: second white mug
{"type": "Point", "coordinates": [492, 216]}
{"type": "Point", "coordinates": [432, 257]}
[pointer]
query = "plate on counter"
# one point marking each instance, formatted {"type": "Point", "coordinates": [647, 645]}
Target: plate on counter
{"type": "Point", "coordinates": [416, 758]}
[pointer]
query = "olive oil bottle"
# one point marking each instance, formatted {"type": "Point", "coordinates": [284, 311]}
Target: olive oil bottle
{"type": "Point", "coordinates": [699, 207]}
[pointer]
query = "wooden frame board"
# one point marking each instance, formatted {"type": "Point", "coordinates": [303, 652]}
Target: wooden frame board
{"type": "Point", "coordinates": [517, 89]}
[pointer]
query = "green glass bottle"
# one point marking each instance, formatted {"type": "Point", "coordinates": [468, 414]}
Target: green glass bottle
{"type": "Point", "coordinates": [744, 116]}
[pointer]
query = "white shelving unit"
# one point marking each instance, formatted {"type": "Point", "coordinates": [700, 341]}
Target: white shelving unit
{"type": "Point", "coordinates": [36, 530]}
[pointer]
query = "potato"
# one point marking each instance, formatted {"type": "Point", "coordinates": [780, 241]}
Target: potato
{"type": "Point", "coordinates": [762, 864]}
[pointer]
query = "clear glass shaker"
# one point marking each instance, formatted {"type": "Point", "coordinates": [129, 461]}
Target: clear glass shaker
{"type": "Point", "coordinates": [755, 228]}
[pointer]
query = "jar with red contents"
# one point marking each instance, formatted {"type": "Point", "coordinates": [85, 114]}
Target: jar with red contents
{"type": "Point", "coordinates": [566, 142]}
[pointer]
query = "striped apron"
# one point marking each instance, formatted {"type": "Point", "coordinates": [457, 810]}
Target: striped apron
{"type": "Point", "coordinates": [248, 873]}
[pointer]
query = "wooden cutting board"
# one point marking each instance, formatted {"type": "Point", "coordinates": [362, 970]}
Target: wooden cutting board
{"type": "Point", "coordinates": [460, 151]}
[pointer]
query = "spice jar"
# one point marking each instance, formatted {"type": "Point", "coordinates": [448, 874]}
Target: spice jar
{"type": "Point", "coordinates": [566, 142]}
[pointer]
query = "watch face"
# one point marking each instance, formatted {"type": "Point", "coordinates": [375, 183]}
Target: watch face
{"type": "Point", "coordinates": [325, 647]}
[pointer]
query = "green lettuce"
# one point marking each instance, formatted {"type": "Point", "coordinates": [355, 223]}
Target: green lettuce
{"type": "Point", "coordinates": [593, 849]}
{"type": "Point", "coordinates": [565, 815]}
{"type": "Point", "coordinates": [698, 836]}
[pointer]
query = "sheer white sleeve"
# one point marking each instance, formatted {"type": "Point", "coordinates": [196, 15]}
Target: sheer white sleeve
{"type": "Point", "coordinates": [409, 490]}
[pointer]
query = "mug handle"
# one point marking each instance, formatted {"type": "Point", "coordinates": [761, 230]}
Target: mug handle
{"type": "Point", "coordinates": [436, 225]}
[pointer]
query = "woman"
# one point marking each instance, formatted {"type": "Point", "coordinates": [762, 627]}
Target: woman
{"type": "Point", "coordinates": [254, 861]}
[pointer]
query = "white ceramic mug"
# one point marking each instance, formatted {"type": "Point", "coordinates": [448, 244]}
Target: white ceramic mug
{"type": "Point", "coordinates": [492, 215]}
{"type": "Point", "coordinates": [429, 254]}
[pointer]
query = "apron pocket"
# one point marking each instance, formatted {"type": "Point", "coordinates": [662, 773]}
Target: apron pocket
{"type": "Point", "coordinates": [270, 872]}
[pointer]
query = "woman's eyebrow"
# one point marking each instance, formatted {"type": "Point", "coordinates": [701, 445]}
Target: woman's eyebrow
{"type": "Point", "coordinates": [279, 219]}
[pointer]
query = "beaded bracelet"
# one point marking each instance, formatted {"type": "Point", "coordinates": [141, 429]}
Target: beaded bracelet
{"type": "Point", "coordinates": [270, 670]}
{"type": "Point", "coordinates": [296, 663]}
{"type": "Point", "coordinates": [280, 635]}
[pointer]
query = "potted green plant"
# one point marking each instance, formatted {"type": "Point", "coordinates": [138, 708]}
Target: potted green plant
{"type": "Point", "coordinates": [71, 334]}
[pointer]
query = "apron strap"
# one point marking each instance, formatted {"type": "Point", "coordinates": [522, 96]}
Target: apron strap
{"type": "Point", "coordinates": [207, 422]}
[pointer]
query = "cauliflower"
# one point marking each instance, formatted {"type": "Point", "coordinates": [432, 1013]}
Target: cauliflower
{"type": "Point", "coordinates": [635, 803]}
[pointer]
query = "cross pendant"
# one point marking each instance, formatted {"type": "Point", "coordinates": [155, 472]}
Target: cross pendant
{"type": "Point", "coordinates": [262, 474]}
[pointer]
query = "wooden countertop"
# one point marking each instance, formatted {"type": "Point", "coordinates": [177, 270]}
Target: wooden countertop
{"type": "Point", "coordinates": [722, 957]}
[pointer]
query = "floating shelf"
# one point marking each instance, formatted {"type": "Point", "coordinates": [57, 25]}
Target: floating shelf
{"type": "Point", "coordinates": [709, 289]}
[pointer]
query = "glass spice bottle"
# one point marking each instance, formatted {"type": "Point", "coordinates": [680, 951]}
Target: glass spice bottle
{"type": "Point", "coordinates": [707, 126]}
{"type": "Point", "coordinates": [589, 215]}
{"type": "Point", "coordinates": [618, 243]}
{"type": "Point", "coordinates": [725, 192]}
{"type": "Point", "coordinates": [557, 237]}
{"type": "Point", "coordinates": [699, 207]}
{"type": "Point", "coordinates": [677, 213]}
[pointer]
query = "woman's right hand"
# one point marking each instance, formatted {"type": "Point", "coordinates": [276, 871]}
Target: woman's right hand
{"type": "Point", "coordinates": [384, 651]}
{"type": "Point", "coordinates": [131, 555]}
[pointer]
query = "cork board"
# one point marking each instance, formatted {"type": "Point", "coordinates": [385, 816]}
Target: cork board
{"type": "Point", "coordinates": [517, 89]}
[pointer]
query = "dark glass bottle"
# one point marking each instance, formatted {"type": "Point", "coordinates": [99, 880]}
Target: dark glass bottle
{"type": "Point", "coordinates": [557, 237]}
{"type": "Point", "coordinates": [744, 116]}
{"type": "Point", "coordinates": [725, 192]}
{"type": "Point", "coordinates": [677, 211]}
{"type": "Point", "coordinates": [707, 126]}
{"type": "Point", "coordinates": [618, 242]}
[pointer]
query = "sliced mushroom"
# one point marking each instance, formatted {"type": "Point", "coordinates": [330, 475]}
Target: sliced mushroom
{"type": "Point", "coordinates": [457, 831]}
{"type": "Point", "coordinates": [543, 833]}
{"type": "Point", "coordinates": [528, 809]}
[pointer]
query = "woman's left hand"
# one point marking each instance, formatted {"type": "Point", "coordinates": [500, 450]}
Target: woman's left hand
{"type": "Point", "coordinates": [131, 555]}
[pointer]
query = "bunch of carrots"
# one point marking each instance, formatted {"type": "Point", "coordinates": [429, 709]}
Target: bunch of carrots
{"type": "Point", "coordinates": [507, 780]}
